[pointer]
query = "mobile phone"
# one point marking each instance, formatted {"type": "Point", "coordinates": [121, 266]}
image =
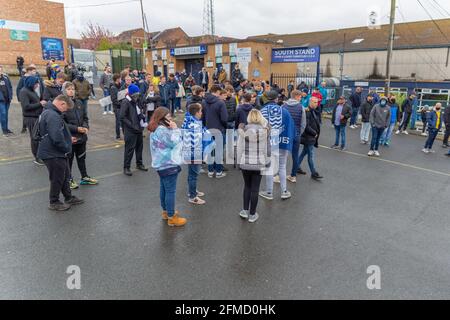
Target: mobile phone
{"type": "Point", "coordinates": [166, 122]}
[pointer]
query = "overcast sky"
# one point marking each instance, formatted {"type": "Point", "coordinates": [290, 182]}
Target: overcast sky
{"type": "Point", "coordinates": [242, 18]}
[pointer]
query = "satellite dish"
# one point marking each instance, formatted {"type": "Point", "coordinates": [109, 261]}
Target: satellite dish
{"type": "Point", "coordinates": [374, 20]}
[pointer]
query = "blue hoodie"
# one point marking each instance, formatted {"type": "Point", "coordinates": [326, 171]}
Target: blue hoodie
{"type": "Point", "coordinates": [281, 124]}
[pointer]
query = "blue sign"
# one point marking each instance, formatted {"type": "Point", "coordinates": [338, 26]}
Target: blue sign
{"type": "Point", "coordinates": [202, 49]}
{"type": "Point", "coordinates": [296, 55]}
{"type": "Point", "coordinates": [52, 49]}
{"type": "Point", "coordinates": [2, 23]}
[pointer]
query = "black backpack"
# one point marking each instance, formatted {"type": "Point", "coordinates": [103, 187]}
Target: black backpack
{"type": "Point", "coordinates": [36, 133]}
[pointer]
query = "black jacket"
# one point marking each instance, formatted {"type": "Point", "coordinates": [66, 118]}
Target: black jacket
{"type": "Point", "coordinates": [51, 91]}
{"type": "Point", "coordinates": [156, 99]}
{"type": "Point", "coordinates": [131, 122]}
{"type": "Point", "coordinates": [114, 92]}
{"type": "Point", "coordinates": [312, 129]}
{"type": "Point", "coordinates": [355, 99]}
{"type": "Point", "coordinates": [231, 105]}
{"type": "Point", "coordinates": [193, 99]}
{"type": "Point", "coordinates": [56, 139]}
{"type": "Point", "coordinates": [446, 118]}
{"type": "Point", "coordinates": [30, 102]}
{"type": "Point", "coordinates": [21, 84]}
{"type": "Point", "coordinates": [346, 112]}
{"type": "Point", "coordinates": [75, 118]}
{"type": "Point", "coordinates": [242, 114]}
{"type": "Point", "coordinates": [215, 114]}
{"type": "Point", "coordinates": [366, 107]}
{"type": "Point", "coordinates": [407, 106]}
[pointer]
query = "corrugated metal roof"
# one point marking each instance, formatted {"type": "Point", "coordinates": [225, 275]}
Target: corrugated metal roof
{"type": "Point", "coordinates": [407, 35]}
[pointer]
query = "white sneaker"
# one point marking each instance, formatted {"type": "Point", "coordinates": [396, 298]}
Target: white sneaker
{"type": "Point", "coordinates": [371, 153]}
{"type": "Point", "coordinates": [110, 112]}
{"type": "Point", "coordinates": [397, 132]}
{"type": "Point", "coordinates": [210, 174]}
{"type": "Point", "coordinates": [266, 195]}
{"type": "Point", "coordinates": [200, 194]}
{"type": "Point", "coordinates": [286, 195]}
{"type": "Point", "coordinates": [253, 218]}
{"type": "Point", "coordinates": [197, 201]}
{"type": "Point", "coordinates": [276, 179]}
{"type": "Point", "coordinates": [431, 151]}
{"type": "Point", "coordinates": [105, 113]}
{"type": "Point", "coordinates": [376, 154]}
{"type": "Point", "coordinates": [244, 214]}
{"type": "Point", "coordinates": [423, 134]}
{"type": "Point", "coordinates": [292, 179]}
{"type": "Point", "coordinates": [405, 132]}
{"type": "Point", "coordinates": [220, 175]}
{"type": "Point", "coordinates": [425, 150]}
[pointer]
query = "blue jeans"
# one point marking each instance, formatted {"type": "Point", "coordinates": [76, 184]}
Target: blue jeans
{"type": "Point", "coordinates": [168, 188]}
{"type": "Point", "coordinates": [308, 150]}
{"type": "Point", "coordinates": [387, 134]}
{"type": "Point", "coordinates": [354, 117]}
{"type": "Point", "coordinates": [194, 171]}
{"type": "Point", "coordinates": [215, 167]}
{"type": "Point", "coordinates": [106, 93]}
{"type": "Point", "coordinates": [376, 136]}
{"type": "Point", "coordinates": [177, 103]}
{"type": "Point", "coordinates": [4, 108]}
{"type": "Point", "coordinates": [295, 156]}
{"type": "Point", "coordinates": [432, 134]}
{"type": "Point", "coordinates": [340, 132]}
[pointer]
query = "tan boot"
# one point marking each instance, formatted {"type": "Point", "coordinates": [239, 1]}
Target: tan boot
{"type": "Point", "coordinates": [176, 221]}
{"type": "Point", "coordinates": [165, 215]}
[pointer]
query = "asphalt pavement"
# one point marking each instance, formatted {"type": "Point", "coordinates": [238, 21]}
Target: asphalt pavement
{"type": "Point", "coordinates": [391, 212]}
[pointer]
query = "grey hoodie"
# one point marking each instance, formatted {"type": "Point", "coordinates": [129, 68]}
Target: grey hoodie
{"type": "Point", "coordinates": [380, 117]}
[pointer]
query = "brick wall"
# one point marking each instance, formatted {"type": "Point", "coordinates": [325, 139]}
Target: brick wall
{"type": "Point", "coordinates": [49, 16]}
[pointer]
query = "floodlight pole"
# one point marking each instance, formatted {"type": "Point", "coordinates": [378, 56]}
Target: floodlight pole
{"type": "Point", "coordinates": [390, 48]}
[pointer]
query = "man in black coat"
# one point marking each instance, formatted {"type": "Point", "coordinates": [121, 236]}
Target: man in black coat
{"type": "Point", "coordinates": [356, 101]}
{"type": "Point", "coordinates": [133, 122]}
{"type": "Point", "coordinates": [310, 137]}
{"type": "Point", "coordinates": [215, 117]}
{"type": "Point", "coordinates": [114, 92]}
{"type": "Point", "coordinates": [32, 107]}
{"type": "Point", "coordinates": [77, 121]}
{"type": "Point", "coordinates": [54, 149]}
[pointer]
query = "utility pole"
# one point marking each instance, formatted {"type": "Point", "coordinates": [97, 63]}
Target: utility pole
{"type": "Point", "coordinates": [390, 48]}
{"type": "Point", "coordinates": [341, 68]}
{"type": "Point", "coordinates": [145, 37]}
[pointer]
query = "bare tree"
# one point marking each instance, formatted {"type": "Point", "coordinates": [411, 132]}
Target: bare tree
{"type": "Point", "coordinates": [94, 35]}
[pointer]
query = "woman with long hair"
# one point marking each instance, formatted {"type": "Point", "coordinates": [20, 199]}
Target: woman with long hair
{"type": "Point", "coordinates": [254, 152]}
{"type": "Point", "coordinates": [166, 151]}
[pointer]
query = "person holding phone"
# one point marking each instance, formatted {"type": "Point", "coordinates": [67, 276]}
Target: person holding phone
{"type": "Point", "coordinates": [78, 123]}
{"type": "Point", "coordinates": [166, 150]}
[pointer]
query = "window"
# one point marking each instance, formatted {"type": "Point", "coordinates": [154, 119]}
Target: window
{"type": "Point", "coordinates": [356, 41]}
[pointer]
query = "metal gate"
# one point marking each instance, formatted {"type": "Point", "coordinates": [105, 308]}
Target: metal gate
{"type": "Point", "coordinates": [283, 79]}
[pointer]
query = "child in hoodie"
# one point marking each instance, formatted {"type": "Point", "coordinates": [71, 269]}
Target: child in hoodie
{"type": "Point", "coordinates": [193, 145]}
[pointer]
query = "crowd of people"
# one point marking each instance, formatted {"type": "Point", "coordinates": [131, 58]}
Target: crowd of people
{"type": "Point", "coordinates": [260, 123]}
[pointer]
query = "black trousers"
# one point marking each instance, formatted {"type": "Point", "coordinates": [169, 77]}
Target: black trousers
{"type": "Point", "coordinates": [252, 182]}
{"type": "Point", "coordinates": [29, 123]}
{"type": "Point", "coordinates": [59, 174]}
{"type": "Point", "coordinates": [405, 121]}
{"type": "Point", "coordinates": [79, 151]}
{"type": "Point", "coordinates": [118, 124]}
{"type": "Point", "coordinates": [134, 143]}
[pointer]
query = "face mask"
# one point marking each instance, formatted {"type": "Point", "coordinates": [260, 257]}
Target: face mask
{"type": "Point", "coordinates": [383, 103]}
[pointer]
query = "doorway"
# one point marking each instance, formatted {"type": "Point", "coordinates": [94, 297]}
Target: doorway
{"type": "Point", "coordinates": [194, 66]}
